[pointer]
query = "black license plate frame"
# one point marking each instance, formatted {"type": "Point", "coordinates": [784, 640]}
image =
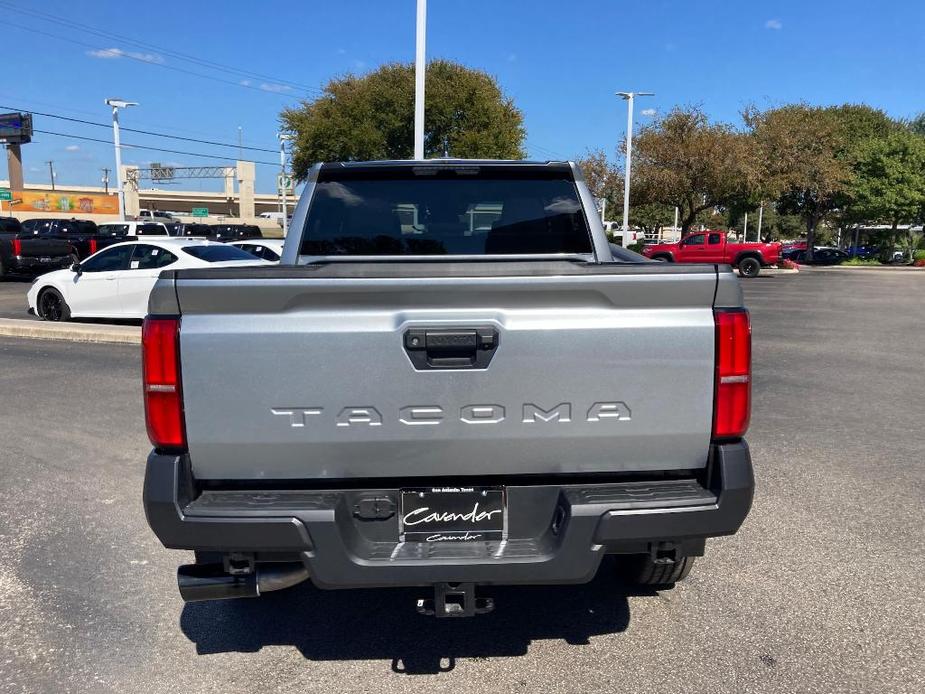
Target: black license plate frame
{"type": "Point", "coordinates": [453, 514]}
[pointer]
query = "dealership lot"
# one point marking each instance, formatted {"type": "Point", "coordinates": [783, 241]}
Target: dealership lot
{"type": "Point", "coordinates": [821, 591]}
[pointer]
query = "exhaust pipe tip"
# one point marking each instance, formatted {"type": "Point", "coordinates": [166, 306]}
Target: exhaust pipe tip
{"type": "Point", "coordinates": [199, 582]}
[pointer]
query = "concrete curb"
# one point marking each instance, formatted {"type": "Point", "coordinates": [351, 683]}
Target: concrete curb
{"type": "Point", "coordinates": [867, 268]}
{"type": "Point", "coordinates": [771, 271]}
{"type": "Point", "coordinates": [70, 332]}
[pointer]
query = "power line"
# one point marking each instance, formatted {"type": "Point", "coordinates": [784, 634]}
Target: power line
{"type": "Point", "coordinates": [145, 61]}
{"type": "Point", "coordinates": [153, 149]}
{"type": "Point", "coordinates": [69, 109]}
{"type": "Point", "coordinates": [548, 151]}
{"type": "Point", "coordinates": [141, 132]}
{"type": "Point", "coordinates": [44, 16]}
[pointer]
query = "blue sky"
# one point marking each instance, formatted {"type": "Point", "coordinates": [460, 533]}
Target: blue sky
{"type": "Point", "coordinates": [560, 61]}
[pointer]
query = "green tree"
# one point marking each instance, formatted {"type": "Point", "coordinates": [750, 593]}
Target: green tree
{"type": "Point", "coordinates": [917, 124]}
{"type": "Point", "coordinates": [888, 185]}
{"type": "Point", "coordinates": [685, 161]}
{"type": "Point", "coordinates": [651, 217]}
{"type": "Point", "coordinates": [604, 179]}
{"type": "Point", "coordinates": [372, 117]}
{"type": "Point", "coordinates": [808, 154]}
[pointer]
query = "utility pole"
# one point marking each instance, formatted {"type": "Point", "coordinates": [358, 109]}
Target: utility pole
{"type": "Point", "coordinates": [240, 144]}
{"type": "Point", "coordinates": [760, 216]}
{"type": "Point", "coordinates": [51, 174]}
{"type": "Point", "coordinates": [105, 180]}
{"type": "Point", "coordinates": [629, 97]}
{"type": "Point", "coordinates": [745, 228]}
{"type": "Point", "coordinates": [116, 104]}
{"type": "Point", "coordinates": [282, 170]}
{"type": "Point", "coordinates": [420, 67]}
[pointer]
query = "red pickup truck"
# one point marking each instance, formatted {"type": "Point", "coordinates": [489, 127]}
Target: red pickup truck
{"type": "Point", "coordinates": [713, 247]}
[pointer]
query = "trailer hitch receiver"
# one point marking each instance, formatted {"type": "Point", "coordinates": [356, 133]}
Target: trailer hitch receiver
{"type": "Point", "coordinates": [455, 600]}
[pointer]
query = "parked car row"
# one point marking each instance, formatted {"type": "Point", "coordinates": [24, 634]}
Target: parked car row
{"type": "Point", "coordinates": [38, 245]}
{"type": "Point", "coordinates": [116, 281]}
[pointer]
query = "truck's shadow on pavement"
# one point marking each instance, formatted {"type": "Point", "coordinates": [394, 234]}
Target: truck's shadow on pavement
{"type": "Point", "coordinates": [383, 624]}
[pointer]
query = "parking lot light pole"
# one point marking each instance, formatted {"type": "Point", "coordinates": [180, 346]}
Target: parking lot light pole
{"type": "Point", "coordinates": [116, 104]}
{"type": "Point", "coordinates": [283, 137]}
{"type": "Point", "coordinates": [628, 97]}
{"type": "Point", "coordinates": [420, 67]}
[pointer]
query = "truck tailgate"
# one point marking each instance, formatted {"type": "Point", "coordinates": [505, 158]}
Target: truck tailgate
{"type": "Point", "coordinates": [34, 246]}
{"type": "Point", "coordinates": [304, 372]}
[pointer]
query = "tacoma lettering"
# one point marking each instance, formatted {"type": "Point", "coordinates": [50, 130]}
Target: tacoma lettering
{"type": "Point", "coordinates": [431, 415]}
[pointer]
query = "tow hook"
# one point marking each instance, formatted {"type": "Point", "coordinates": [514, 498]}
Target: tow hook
{"type": "Point", "coordinates": [455, 600]}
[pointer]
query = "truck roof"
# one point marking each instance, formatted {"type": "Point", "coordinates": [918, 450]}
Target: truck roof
{"type": "Point", "coordinates": [501, 165]}
{"type": "Point", "coordinates": [447, 161]}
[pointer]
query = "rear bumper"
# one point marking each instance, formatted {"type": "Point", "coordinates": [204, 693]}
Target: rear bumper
{"type": "Point", "coordinates": [33, 265]}
{"type": "Point", "coordinates": [556, 533]}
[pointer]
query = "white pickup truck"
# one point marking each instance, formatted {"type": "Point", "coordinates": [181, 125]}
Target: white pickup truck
{"type": "Point", "coordinates": [452, 381]}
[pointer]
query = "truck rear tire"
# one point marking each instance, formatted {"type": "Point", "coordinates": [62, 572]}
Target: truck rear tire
{"type": "Point", "coordinates": [749, 267]}
{"type": "Point", "coordinates": [640, 570]}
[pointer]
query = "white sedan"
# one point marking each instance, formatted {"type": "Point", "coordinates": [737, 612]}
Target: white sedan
{"type": "Point", "coordinates": [265, 249]}
{"type": "Point", "coordinates": [116, 281]}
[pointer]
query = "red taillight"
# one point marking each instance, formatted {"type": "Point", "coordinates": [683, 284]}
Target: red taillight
{"type": "Point", "coordinates": [732, 403]}
{"type": "Point", "coordinates": [160, 350]}
{"type": "Point", "coordinates": [92, 246]}
{"type": "Point", "coordinates": [17, 247]}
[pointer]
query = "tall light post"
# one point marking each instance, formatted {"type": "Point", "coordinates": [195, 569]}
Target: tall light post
{"type": "Point", "coordinates": [51, 174]}
{"type": "Point", "coordinates": [629, 97]}
{"type": "Point", "coordinates": [116, 104]}
{"type": "Point", "coordinates": [283, 138]}
{"type": "Point", "coordinates": [420, 68]}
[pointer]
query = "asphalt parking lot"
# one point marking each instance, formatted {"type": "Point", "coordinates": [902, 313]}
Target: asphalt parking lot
{"type": "Point", "coordinates": [823, 590]}
{"type": "Point", "coordinates": [13, 302]}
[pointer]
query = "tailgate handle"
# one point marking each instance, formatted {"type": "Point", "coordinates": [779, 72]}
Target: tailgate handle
{"type": "Point", "coordinates": [451, 348]}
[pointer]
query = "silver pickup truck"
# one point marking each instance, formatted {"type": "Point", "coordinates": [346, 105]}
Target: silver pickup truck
{"type": "Point", "coordinates": [451, 381]}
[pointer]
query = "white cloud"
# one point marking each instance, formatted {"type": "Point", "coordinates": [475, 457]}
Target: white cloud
{"type": "Point", "coordinates": [275, 88]}
{"type": "Point", "coordinates": [114, 53]}
{"type": "Point", "coordinates": [341, 51]}
{"type": "Point", "coordinates": [512, 58]}
{"type": "Point", "coordinates": [246, 83]}
{"type": "Point", "coordinates": [648, 112]}
{"type": "Point", "coordinates": [774, 24]}
{"type": "Point", "coordinates": [72, 148]}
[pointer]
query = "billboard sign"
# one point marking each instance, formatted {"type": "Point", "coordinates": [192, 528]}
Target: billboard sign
{"type": "Point", "coordinates": [15, 128]}
{"type": "Point", "coordinates": [88, 203]}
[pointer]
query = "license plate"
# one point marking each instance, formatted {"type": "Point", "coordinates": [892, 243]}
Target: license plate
{"type": "Point", "coordinates": [44, 259]}
{"type": "Point", "coordinates": [452, 514]}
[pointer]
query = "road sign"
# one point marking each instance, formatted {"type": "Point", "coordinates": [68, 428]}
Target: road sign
{"type": "Point", "coordinates": [200, 211]}
{"type": "Point", "coordinates": [6, 194]}
{"type": "Point", "coordinates": [16, 128]}
{"type": "Point", "coordinates": [284, 182]}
